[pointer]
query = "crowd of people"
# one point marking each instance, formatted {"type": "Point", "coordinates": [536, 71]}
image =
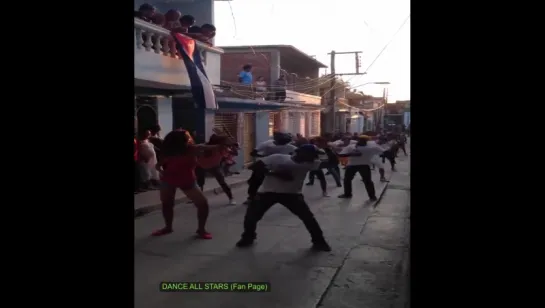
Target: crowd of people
{"type": "Point", "coordinates": [174, 21]}
{"type": "Point", "coordinates": [278, 173]}
{"type": "Point", "coordinates": [147, 148]}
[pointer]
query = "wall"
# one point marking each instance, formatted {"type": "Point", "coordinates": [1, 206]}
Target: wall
{"type": "Point", "coordinates": [164, 113]}
{"type": "Point", "coordinates": [185, 115]}
{"type": "Point", "coordinates": [261, 127]}
{"type": "Point", "coordinates": [231, 65]}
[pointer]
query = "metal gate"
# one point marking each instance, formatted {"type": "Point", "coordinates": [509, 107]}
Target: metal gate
{"type": "Point", "coordinates": [227, 122]}
{"type": "Point", "coordinates": [249, 136]}
{"type": "Point", "coordinates": [274, 122]}
{"type": "Point", "coordinates": [315, 126]}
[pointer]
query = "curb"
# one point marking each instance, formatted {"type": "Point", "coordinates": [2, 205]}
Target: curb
{"type": "Point", "coordinates": [145, 210]}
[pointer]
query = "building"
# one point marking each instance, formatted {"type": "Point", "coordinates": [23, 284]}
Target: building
{"type": "Point", "coordinates": [163, 91]}
{"type": "Point", "coordinates": [397, 114]}
{"type": "Point", "coordinates": [259, 115]}
{"type": "Point", "coordinates": [161, 81]}
{"type": "Point", "coordinates": [348, 117]}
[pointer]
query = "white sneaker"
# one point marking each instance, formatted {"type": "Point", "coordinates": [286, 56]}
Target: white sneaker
{"type": "Point", "coordinates": [324, 194]}
{"type": "Point", "coordinates": [232, 202]}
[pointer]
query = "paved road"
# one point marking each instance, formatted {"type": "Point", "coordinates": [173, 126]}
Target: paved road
{"type": "Point", "coordinates": [299, 278]}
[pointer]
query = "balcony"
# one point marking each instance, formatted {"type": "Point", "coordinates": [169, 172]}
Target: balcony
{"type": "Point", "coordinates": [246, 92]}
{"type": "Point", "coordinates": [156, 59]}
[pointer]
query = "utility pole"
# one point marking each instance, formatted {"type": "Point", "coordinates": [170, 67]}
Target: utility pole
{"type": "Point", "coordinates": [332, 98]}
{"type": "Point", "coordinates": [332, 93]}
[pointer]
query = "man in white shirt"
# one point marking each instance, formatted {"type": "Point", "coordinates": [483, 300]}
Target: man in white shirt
{"type": "Point", "coordinates": [285, 175]}
{"type": "Point", "coordinates": [280, 144]}
{"type": "Point", "coordinates": [360, 158]}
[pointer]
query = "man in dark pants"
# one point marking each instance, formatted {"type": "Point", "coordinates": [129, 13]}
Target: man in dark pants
{"type": "Point", "coordinates": [279, 145]}
{"type": "Point", "coordinates": [285, 175]}
{"type": "Point", "coordinates": [359, 161]}
{"type": "Point", "coordinates": [401, 141]}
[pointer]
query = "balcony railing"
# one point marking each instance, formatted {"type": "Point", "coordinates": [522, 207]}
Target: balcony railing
{"type": "Point", "coordinates": [156, 57]}
{"type": "Point", "coordinates": [270, 94]}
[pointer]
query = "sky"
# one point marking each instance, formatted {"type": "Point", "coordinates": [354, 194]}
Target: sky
{"type": "Point", "coordinates": [340, 25]}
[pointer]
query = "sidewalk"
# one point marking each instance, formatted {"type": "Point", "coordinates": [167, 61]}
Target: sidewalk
{"type": "Point", "coordinates": [375, 273]}
{"type": "Point", "coordinates": [149, 201]}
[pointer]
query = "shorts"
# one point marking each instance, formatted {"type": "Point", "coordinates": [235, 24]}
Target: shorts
{"type": "Point", "coordinates": [184, 187]}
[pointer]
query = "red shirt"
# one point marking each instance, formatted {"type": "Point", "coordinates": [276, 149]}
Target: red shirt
{"type": "Point", "coordinates": [135, 150]}
{"type": "Point", "coordinates": [179, 171]}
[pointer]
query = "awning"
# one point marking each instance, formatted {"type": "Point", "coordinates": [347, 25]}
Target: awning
{"type": "Point", "coordinates": [235, 104]}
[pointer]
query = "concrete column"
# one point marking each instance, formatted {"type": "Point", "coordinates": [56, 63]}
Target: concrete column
{"type": "Point", "coordinates": [164, 115]}
{"type": "Point", "coordinates": [285, 121]}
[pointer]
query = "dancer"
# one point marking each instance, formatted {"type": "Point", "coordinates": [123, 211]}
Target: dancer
{"type": "Point", "coordinates": [279, 145]}
{"type": "Point", "coordinates": [210, 162]}
{"type": "Point", "coordinates": [359, 160]}
{"type": "Point", "coordinates": [285, 175]}
{"type": "Point", "coordinates": [401, 141]}
{"type": "Point", "coordinates": [329, 161]}
{"type": "Point", "coordinates": [177, 165]}
{"type": "Point", "coordinates": [389, 152]}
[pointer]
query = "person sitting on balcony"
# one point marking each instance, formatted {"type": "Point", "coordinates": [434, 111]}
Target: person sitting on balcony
{"type": "Point", "coordinates": [209, 32]}
{"type": "Point", "coordinates": [196, 33]}
{"type": "Point", "coordinates": [172, 21]}
{"type": "Point", "coordinates": [261, 86]}
{"type": "Point", "coordinates": [145, 12]}
{"type": "Point", "coordinates": [158, 19]}
{"type": "Point", "coordinates": [186, 22]}
{"type": "Point", "coordinates": [280, 86]}
{"type": "Point", "coordinates": [245, 76]}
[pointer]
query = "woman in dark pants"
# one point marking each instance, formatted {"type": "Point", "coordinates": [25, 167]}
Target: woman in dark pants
{"type": "Point", "coordinates": [210, 162]}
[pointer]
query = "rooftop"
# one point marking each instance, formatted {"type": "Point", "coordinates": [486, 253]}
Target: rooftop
{"type": "Point", "coordinates": [288, 51]}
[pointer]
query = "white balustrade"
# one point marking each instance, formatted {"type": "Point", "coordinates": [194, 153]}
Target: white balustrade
{"type": "Point", "coordinates": [159, 40]}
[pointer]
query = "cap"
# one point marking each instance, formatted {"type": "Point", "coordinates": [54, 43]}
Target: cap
{"type": "Point", "coordinates": [309, 148]}
{"type": "Point", "coordinates": [364, 137]}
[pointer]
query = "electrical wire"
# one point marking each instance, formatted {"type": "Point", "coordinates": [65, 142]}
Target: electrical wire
{"type": "Point", "coordinates": [388, 43]}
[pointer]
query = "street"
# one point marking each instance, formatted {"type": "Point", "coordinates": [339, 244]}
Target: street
{"type": "Point", "coordinates": [366, 268]}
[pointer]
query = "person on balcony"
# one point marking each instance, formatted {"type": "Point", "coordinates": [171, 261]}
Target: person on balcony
{"type": "Point", "coordinates": [186, 22]}
{"type": "Point", "coordinates": [280, 86]}
{"type": "Point", "coordinates": [172, 20]}
{"type": "Point", "coordinates": [145, 12]}
{"type": "Point", "coordinates": [261, 86]}
{"type": "Point", "coordinates": [158, 19]}
{"type": "Point", "coordinates": [245, 76]}
{"type": "Point", "coordinates": [208, 32]}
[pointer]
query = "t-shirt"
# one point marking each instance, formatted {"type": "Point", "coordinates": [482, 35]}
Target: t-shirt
{"type": "Point", "coordinates": [269, 147]}
{"type": "Point", "coordinates": [367, 153]}
{"type": "Point", "coordinates": [284, 162]}
{"type": "Point", "coordinates": [246, 77]}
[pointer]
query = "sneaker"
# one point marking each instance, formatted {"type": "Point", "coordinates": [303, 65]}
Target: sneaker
{"type": "Point", "coordinates": [383, 180]}
{"type": "Point", "coordinates": [373, 199]}
{"type": "Point", "coordinates": [309, 184]}
{"type": "Point", "coordinates": [321, 246]}
{"type": "Point", "coordinates": [204, 235]}
{"type": "Point", "coordinates": [324, 194]}
{"type": "Point", "coordinates": [243, 242]}
{"type": "Point", "coordinates": [232, 202]}
{"type": "Point", "coordinates": [339, 185]}
{"type": "Point", "coordinates": [248, 201]}
{"type": "Point", "coordinates": [343, 196]}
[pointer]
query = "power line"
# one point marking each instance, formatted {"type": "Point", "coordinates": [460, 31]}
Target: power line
{"type": "Point", "coordinates": [387, 44]}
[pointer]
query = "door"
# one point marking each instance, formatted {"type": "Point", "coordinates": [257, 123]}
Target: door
{"type": "Point", "coordinates": [226, 122]}
{"type": "Point", "coordinates": [249, 137]}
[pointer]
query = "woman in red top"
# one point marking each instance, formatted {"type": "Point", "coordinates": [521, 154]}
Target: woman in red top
{"type": "Point", "coordinates": [177, 165]}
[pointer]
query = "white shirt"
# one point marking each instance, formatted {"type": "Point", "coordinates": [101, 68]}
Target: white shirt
{"type": "Point", "coordinates": [283, 162]}
{"type": "Point", "coordinates": [367, 153]}
{"type": "Point", "coordinates": [268, 148]}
